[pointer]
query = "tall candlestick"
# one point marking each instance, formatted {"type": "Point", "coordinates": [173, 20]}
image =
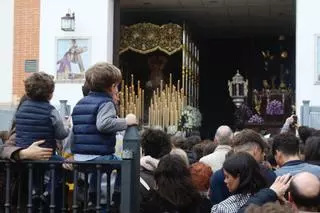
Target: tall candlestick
{"type": "Point", "coordinates": [132, 81]}
{"type": "Point", "coordinates": [170, 84]}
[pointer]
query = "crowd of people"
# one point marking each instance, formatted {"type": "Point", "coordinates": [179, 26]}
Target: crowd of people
{"type": "Point", "coordinates": [236, 172]}
{"type": "Point", "coordinates": [239, 171]}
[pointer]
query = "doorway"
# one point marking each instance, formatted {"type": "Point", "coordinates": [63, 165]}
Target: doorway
{"type": "Point", "coordinates": [231, 35]}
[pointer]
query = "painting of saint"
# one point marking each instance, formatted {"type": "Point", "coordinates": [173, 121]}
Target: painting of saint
{"type": "Point", "coordinates": [72, 58]}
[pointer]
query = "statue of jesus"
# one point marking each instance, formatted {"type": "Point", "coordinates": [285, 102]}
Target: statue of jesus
{"type": "Point", "coordinates": [156, 66]}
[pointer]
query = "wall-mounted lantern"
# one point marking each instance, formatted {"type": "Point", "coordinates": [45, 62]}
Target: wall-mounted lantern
{"type": "Point", "coordinates": [68, 22]}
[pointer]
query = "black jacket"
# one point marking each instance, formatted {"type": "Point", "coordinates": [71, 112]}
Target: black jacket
{"type": "Point", "coordinates": [262, 197]}
{"type": "Point", "coordinates": [157, 204]}
{"type": "Point", "coordinates": [147, 178]}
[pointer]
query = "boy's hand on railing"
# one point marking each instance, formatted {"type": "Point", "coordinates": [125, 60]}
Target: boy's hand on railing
{"type": "Point", "coordinates": [68, 166]}
{"type": "Point", "coordinates": [131, 119]}
{"type": "Point", "coordinates": [35, 152]}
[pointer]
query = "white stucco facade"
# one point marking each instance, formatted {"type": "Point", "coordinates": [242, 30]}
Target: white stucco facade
{"type": "Point", "coordinates": [307, 27]}
{"type": "Point", "coordinates": [6, 49]}
{"type": "Point", "coordinates": [93, 20]}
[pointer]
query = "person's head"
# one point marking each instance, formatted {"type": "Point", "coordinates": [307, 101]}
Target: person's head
{"type": "Point", "coordinates": [285, 146]}
{"type": "Point", "coordinates": [191, 142]}
{"type": "Point", "coordinates": [155, 143]}
{"type": "Point", "coordinates": [224, 135]}
{"type": "Point", "coordinates": [304, 132]}
{"type": "Point", "coordinates": [39, 86]}
{"type": "Point", "coordinates": [173, 181]}
{"type": "Point", "coordinates": [200, 174]}
{"type": "Point", "coordinates": [242, 174]}
{"type": "Point", "coordinates": [177, 141]}
{"type": "Point", "coordinates": [304, 192]}
{"type": "Point", "coordinates": [85, 89]}
{"type": "Point", "coordinates": [251, 142]}
{"type": "Point", "coordinates": [198, 150]}
{"type": "Point", "coordinates": [270, 208]}
{"type": "Point", "coordinates": [181, 153]}
{"type": "Point", "coordinates": [209, 148]}
{"type": "Point", "coordinates": [312, 149]}
{"type": "Point", "coordinates": [103, 77]}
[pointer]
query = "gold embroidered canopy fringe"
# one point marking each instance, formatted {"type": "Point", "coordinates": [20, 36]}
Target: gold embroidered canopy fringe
{"type": "Point", "coordinates": [145, 38]}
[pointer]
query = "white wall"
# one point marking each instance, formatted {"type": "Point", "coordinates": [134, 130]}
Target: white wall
{"type": "Point", "coordinates": [93, 19]}
{"type": "Point", "coordinates": [308, 26]}
{"type": "Point", "coordinates": [6, 49]}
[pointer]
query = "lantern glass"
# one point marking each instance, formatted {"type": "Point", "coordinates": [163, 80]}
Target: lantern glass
{"type": "Point", "coordinates": [68, 22]}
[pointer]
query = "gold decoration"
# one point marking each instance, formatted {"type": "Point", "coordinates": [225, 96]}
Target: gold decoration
{"type": "Point", "coordinates": [131, 100]}
{"type": "Point", "coordinates": [145, 38]}
{"type": "Point", "coordinates": [166, 106]}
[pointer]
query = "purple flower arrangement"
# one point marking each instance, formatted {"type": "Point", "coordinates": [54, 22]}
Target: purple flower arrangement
{"type": "Point", "coordinates": [274, 107]}
{"type": "Point", "coordinates": [256, 119]}
{"type": "Point", "coordinates": [247, 110]}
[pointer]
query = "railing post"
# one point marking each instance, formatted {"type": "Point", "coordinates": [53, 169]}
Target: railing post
{"type": "Point", "coordinates": [53, 186]}
{"type": "Point", "coordinates": [305, 113]}
{"type": "Point", "coordinates": [8, 181]}
{"type": "Point", "coordinates": [131, 145]}
{"type": "Point", "coordinates": [30, 179]}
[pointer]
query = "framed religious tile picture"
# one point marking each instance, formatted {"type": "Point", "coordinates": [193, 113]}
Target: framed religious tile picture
{"type": "Point", "coordinates": [72, 58]}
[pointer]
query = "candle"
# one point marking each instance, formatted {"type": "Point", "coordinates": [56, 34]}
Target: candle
{"type": "Point", "coordinates": [170, 82]}
{"type": "Point", "coordinates": [149, 117]}
{"type": "Point", "coordinates": [132, 82]}
{"type": "Point", "coordinates": [122, 86]}
{"type": "Point", "coordinates": [142, 103]}
{"type": "Point", "coordinates": [126, 98]}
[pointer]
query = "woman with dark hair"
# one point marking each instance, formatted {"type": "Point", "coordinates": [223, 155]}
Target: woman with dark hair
{"type": "Point", "coordinates": [174, 191]}
{"type": "Point", "coordinates": [312, 150]}
{"type": "Point", "coordinates": [243, 179]}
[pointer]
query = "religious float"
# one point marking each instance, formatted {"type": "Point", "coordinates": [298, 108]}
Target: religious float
{"type": "Point", "coordinates": [265, 111]}
{"type": "Point", "coordinates": [160, 64]}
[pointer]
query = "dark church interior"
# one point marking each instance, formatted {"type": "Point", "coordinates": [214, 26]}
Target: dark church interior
{"type": "Point", "coordinates": [227, 42]}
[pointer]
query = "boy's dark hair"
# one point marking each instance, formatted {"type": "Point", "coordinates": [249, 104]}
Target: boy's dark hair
{"type": "Point", "coordinates": [155, 143]}
{"type": "Point", "coordinates": [39, 86]}
{"type": "Point", "coordinates": [85, 89]}
{"type": "Point", "coordinates": [286, 143]}
{"type": "Point", "coordinates": [102, 76]}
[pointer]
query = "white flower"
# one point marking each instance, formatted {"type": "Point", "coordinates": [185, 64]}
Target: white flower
{"type": "Point", "coordinates": [190, 118]}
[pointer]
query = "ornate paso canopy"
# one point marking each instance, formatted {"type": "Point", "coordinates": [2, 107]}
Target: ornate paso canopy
{"type": "Point", "coordinates": [145, 38]}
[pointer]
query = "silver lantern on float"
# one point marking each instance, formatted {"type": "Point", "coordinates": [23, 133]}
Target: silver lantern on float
{"type": "Point", "coordinates": [238, 89]}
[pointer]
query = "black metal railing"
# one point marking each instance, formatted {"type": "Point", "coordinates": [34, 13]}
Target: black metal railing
{"type": "Point", "coordinates": [44, 186]}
